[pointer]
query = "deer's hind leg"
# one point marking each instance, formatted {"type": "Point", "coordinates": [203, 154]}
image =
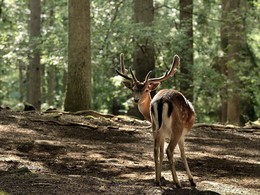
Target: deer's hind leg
{"type": "Point", "coordinates": [185, 162]}
{"type": "Point", "coordinates": [158, 158]}
{"type": "Point", "coordinates": [170, 151]}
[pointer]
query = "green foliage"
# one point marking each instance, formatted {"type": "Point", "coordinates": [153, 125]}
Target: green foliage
{"type": "Point", "coordinates": [113, 32]}
{"type": "Point", "coordinates": [3, 193]}
{"type": "Point", "coordinates": [54, 50]}
{"type": "Point", "coordinates": [14, 44]}
{"type": "Point", "coordinates": [12, 50]}
{"type": "Point", "coordinates": [207, 81]}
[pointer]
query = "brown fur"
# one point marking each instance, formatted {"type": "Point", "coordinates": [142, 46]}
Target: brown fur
{"type": "Point", "coordinates": [182, 119]}
{"type": "Point", "coordinates": [172, 116]}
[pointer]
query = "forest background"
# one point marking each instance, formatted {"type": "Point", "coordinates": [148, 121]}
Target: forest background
{"type": "Point", "coordinates": [218, 42]}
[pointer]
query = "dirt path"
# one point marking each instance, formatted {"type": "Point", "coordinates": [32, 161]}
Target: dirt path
{"type": "Point", "coordinates": [66, 154]}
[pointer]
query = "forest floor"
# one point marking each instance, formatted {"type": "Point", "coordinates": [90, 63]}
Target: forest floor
{"type": "Point", "coordinates": [62, 153]}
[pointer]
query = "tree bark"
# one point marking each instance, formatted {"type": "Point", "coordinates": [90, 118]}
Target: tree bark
{"type": "Point", "coordinates": [51, 85]}
{"type": "Point", "coordinates": [144, 54]}
{"type": "Point", "coordinates": [51, 72]}
{"type": "Point", "coordinates": [186, 54]}
{"type": "Point", "coordinates": [232, 40]}
{"type": "Point", "coordinates": [78, 95]}
{"type": "Point", "coordinates": [34, 69]}
{"type": "Point", "coordinates": [22, 80]}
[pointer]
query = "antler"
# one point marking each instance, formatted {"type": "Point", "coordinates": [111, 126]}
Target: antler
{"type": "Point", "coordinates": [167, 74]}
{"type": "Point", "coordinates": [123, 70]}
{"type": "Point", "coordinates": [133, 76]}
{"type": "Point", "coordinates": [128, 82]}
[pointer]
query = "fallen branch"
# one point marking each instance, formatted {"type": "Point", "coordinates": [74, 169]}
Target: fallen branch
{"type": "Point", "coordinates": [93, 113]}
{"type": "Point", "coordinates": [246, 129]}
{"type": "Point", "coordinates": [197, 125]}
{"type": "Point", "coordinates": [54, 122]}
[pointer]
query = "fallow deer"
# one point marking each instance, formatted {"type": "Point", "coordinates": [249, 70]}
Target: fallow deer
{"type": "Point", "coordinates": [171, 114]}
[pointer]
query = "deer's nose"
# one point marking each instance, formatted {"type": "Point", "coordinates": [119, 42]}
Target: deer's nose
{"type": "Point", "coordinates": [136, 100]}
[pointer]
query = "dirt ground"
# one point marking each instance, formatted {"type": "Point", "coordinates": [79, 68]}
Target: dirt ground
{"type": "Point", "coordinates": [56, 153]}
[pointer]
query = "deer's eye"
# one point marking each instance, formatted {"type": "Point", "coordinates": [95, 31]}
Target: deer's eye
{"type": "Point", "coordinates": [147, 90]}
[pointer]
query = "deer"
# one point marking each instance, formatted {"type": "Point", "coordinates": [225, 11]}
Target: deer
{"type": "Point", "coordinates": [170, 113]}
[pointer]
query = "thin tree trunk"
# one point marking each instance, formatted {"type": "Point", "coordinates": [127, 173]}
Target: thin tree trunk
{"type": "Point", "coordinates": [34, 70]}
{"type": "Point", "coordinates": [51, 72]}
{"type": "Point", "coordinates": [186, 54]}
{"type": "Point", "coordinates": [51, 84]}
{"type": "Point", "coordinates": [21, 82]}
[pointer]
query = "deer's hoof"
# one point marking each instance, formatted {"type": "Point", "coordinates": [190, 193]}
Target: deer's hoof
{"type": "Point", "coordinates": [158, 183]}
{"type": "Point", "coordinates": [178, 185]}
{"type": "Point", "coordinates": [192, 183]}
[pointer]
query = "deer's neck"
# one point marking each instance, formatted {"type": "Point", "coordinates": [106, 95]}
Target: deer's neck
{"type": "Point", "coordinates": [144, 107]}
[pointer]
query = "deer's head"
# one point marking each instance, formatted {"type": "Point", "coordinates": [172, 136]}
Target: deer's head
{"type": "Point", "coordinates": [141, 90]}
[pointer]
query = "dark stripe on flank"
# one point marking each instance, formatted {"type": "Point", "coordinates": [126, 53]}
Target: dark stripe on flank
{"type": "Point", "coordinates": [152, 110]}
{"type": "Point", "coordinates": [160, 103]}
{"type": "Point", "coordinates": [170, 108]}
{"type": "Point", "coordinates": [160, 108]}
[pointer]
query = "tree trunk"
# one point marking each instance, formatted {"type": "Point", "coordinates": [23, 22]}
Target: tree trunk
{"type": "Point", "coordinates": [78, 96]}
{"type": "Point", "coordinates": [51, 72]}
{"type": "Point", "coordinates": [34, 70]}
{"type": "Point", "coordinates": [233, 39]}
{"type": "Point", "coordinates": [51, 84]}
{"type": "Point", "coordinates": [21, 82]}
{"type": "Point", "coordinates": [144, 54]}
{"type": "Point", "coordinates": [186, 54]}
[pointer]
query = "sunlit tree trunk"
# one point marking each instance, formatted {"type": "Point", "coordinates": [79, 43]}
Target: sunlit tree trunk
{"type": "Point", "coordinates": [186, 54]}
{"type": "Point", "coordinates": [34, 69]}
{"type": "Point", "coordinates": [78, 95]}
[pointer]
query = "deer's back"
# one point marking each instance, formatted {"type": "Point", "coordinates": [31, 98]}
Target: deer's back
{"type": "Point", "coordinates": [169, 107]}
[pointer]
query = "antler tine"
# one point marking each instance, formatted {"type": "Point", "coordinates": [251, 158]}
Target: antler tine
{"type": "Point", "coordinates": [123, 70]}
{"type": "Point", "coordinates": [148, 76]}
{"type": "Point", "coordinates": [122, 63]}
{"type": "Point", "coordinates": [133, 75]}
{"type": "Point", "coordinates": [175, 64]}
{"type": "Point", "coordinates": [123, 75]}
{"type": "Point", "coordinates": [146, 81]}
{"type": "Point", "coordinates": [170, 73]}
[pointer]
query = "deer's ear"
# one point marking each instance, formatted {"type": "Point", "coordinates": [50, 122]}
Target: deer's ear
{"type": "Point", "coordinates": [153, 86]}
